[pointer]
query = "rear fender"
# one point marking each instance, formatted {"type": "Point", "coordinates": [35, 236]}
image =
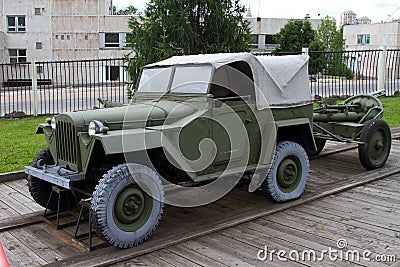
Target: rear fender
{"type": "Point", "coordinates": [296, 130]}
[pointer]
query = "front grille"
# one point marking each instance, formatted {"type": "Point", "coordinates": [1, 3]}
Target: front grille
{"type": "Point", "coordinates": [66, 144]}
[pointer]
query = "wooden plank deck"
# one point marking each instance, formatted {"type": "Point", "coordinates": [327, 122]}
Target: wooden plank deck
{"type": "Point", "coordinates": [366, 216]}
{"type": "Point", "coordinates": [353, 215]}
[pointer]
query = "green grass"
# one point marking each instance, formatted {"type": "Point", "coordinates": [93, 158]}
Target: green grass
{"type": "Point", "coordinates": [391, 110]}
{"type": "Point", "coordinates": [19, 143]}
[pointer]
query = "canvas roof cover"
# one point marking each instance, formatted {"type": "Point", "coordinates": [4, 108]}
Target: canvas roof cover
{"type": "Point", "coordinates": [280, 81]}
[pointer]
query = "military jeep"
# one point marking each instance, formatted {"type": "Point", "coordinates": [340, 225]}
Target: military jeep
{"type": "Point", "coordinates": [196, 125]}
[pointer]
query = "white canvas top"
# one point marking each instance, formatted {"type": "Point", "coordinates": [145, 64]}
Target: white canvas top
{"type": "Point", "coordinates": [280, 81]}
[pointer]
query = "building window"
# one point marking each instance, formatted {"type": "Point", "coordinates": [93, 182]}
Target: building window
{"type": "Point", "coordinates": [16, 23]}
{"type": "Point", "coordinates": [39, 45]}
{"type": "Point", "coordinates": [269, 39]}
{"type": "Point", "coordinates": [111, 40]}
{"type": "Point", "coordinates": [17, 55]}
{"type": "Point", "coordinates": [112, 73]}
{"type": "Point", "coordinates": [38, 11]}
{"type": "Point", "coordinates": [363, 39]}
{"type": "Point", "coordinates": [254, 38]}
{"type": "Point", "coordinates": [128, 39]}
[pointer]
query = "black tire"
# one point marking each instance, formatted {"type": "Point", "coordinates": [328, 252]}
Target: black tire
{"type": "Point", "coordinates": [121, 211]}
{"type": "Point", "coordinates": [40, 190]}
{"type": "Point", "coordinates": [287, 177]}
{"type": "Point", "coordinates": [320, 142]}
{"type": "Point", "coordinates": [377, 141]}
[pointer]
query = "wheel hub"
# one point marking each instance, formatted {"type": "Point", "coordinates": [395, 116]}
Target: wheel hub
{"type": "Point", "coordinates": [377, 147]}
{"type": "Point", "coordinates": [130, 208]}
{"type": "Point", "coordinates": [289, 174]}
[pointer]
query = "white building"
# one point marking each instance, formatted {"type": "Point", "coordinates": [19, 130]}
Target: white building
{"type": "Point", "coordinates": [348, 18]}
{"type": "Point", "coordinates": [363, 20]}
{"type": "Point", "coordinates": [263, 30]}
{"type": "Point", "coordinates": [372, 36]}
{"type": "Point", "coordinates": [46, 30]}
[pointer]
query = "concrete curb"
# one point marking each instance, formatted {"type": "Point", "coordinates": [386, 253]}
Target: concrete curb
{"type": "Point", "coordinates": [11, 176]}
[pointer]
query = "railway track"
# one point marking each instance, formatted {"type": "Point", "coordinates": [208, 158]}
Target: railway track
{"type": "Point", "coordinates": [236, 208]}
{"type": "Point", "coordinates": [21, 221]}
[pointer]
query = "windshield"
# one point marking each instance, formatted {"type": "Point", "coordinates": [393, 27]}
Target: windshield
{"type": "Point", "coordinates": [186, 80]}
{"type": "Point", "coordinates": [155, 80]}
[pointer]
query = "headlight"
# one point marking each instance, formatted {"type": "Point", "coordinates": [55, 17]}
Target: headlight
{"type": "Point", "coordinates": [53, 122]}
{"type": "Point", "coordinates": [96, 127]}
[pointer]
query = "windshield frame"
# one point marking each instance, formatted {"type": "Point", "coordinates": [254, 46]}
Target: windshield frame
{"type": "Point", "coordinates": [172, 76]}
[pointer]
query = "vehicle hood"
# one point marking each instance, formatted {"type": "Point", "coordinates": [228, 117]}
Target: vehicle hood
{"type": "Point", "coordinates": [136, 115]}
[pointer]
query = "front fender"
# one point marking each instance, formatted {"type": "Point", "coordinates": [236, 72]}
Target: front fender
{"type": "Point", "coordinates": [131, 140]}
{"type": "Point", "coordinates": [136, 140]}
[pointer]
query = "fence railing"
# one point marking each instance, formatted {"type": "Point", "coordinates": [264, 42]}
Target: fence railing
{"type": "Point", "coordinates": [348, 73]}
{"type": "Point", "coordinates": [62, 86]}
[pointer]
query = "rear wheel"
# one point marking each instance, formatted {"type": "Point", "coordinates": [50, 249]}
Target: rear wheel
{"type": "Point", "coordinates": [287, 177]}
{"type": "Point", "coordinates": [377, 141]}
{"type": "Point", "coordinates": [125, 213]}
{"type": "Point", "coordinates": [40, 190]}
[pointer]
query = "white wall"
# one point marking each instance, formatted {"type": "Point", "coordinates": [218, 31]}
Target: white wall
{"type": "Point", "coordinates": [37, 28]}
{"type": "Point", "coordinates": [68, 30]}
{"type": "Point", "coordinates": [387, 34]}
{"type": "Point", "coordinates": [274, 25]}
{"type": "Point", "coordinates": [271, 26]}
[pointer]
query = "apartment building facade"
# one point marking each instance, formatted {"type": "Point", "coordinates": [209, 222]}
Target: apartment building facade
{"type": "Point", "coordinates": [51, 30]}
{"type": "Point", "coordinates": [372, 36]}
{"type": "Point", "coordinates": [263, 30]}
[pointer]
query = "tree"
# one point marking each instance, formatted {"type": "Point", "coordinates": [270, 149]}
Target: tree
{"type": "Point", "coordinates": [171, 27]}
{"type": "Point", "coordinates": [130, 10]}
{"type": "Point", "coordinates": [329, 35]}
{"type": "Point", "coordinates": [295, 35]}
{"type": "Point", "coordinates": [329, 39]}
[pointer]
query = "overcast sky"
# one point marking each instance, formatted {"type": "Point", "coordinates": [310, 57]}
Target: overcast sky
{"type": "Point", "coordinates": [376, 10]}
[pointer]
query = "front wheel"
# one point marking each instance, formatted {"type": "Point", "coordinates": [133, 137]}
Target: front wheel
{"type": "Point", "coordinates": [287, 177]}
{"type": "Point", "coordinates": [125, 213]}
{"type": "Point", "coordinates": [376, 143]}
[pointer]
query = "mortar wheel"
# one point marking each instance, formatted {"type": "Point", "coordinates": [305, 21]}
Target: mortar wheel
{"type": "Point", "coordinates": [320, 143]}
{"type": "Point", "coordinates": [124, 213]}
{"type": "Point", "coordinates": [40, 190]}
{"type": "Point", "coordinates": [377, 141]}
{"type": "Point", "coordinates": [287, 177]}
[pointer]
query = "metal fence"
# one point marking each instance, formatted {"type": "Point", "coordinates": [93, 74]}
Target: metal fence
{"type": "Point", "coordinates": [61, 86]}
{"type": "Point", "coordinates": [348, 73]}
{"type": "Point", "coordinates": [55, 87]}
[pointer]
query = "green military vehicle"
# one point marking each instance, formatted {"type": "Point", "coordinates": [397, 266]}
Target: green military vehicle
{"type": "Point", "coordinates": [196, 125]}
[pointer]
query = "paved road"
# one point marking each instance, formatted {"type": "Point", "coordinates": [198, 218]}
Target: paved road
{"type": "Point", "coordinates": [57, 100]}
